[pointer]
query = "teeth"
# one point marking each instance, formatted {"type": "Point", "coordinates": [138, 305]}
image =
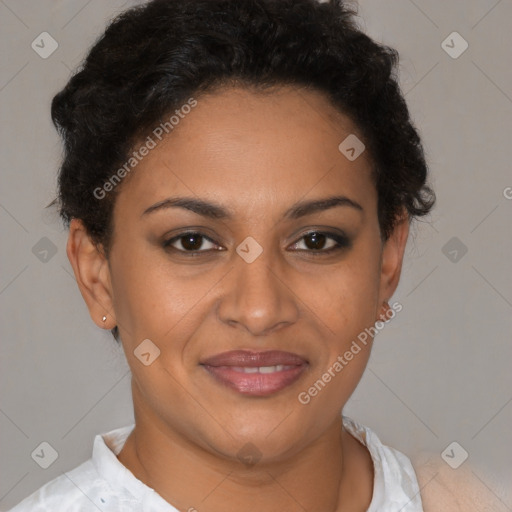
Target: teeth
{"type": "Point", "coordinates": [270, 369]}
{"type": "Point", "coordinates": [261, 369]}
{"type": "Point", "coordinates": [249, 370]}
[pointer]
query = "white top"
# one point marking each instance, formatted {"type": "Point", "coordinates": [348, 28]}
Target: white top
{"type": "Point", "coordinates": [103, 483]}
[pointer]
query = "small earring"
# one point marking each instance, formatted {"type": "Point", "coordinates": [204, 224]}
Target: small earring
{"type": "Point", "coordinates": [104, 319]}
{"type": "Point", "coordinates": [385, 306]}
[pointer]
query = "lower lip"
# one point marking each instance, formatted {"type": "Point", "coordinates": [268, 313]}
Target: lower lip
{"type": "Point", "coordinates": [255, 384]}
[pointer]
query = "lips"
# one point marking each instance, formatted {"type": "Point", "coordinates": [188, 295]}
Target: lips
{"type": "Point", "coordinates": [256, 373]}
{"type": "Point", "coordinates": [255, 359]}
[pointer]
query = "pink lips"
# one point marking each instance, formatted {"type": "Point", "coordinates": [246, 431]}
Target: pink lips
{"type": "Point", "coordinates": [256, 373]}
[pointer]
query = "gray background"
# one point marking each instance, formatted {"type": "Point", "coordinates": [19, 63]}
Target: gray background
{"type": "Point", "coordinates": [440, 371]}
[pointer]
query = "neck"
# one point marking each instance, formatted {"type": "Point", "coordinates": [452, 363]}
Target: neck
{"type": "Point", "coordinates": [318, 478]}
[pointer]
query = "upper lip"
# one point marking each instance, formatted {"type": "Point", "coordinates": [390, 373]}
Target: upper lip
{"type": "Point", "coordinates": [254, 359]}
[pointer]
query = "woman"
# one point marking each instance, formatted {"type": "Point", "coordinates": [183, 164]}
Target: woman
{"type": "Point", "coordinates": [239, 179]}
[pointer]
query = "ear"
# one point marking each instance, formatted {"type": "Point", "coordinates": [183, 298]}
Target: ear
{"type": "Point", "coordinates": [92, 274]}
{"type": "Point", "coordinates": [392, 257]}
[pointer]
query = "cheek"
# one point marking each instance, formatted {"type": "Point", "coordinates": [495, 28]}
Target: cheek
{"type": "Point", "coordinates": [155, 300]}
{"type": "Point", "coordinates": [347, 305]}
{"type": "Point", "coordinates": [142, 295]}
{"type": "Point", "coordinates": [345, 297]}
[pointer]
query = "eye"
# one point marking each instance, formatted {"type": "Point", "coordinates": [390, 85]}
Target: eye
{"type": "Point", "coordinates": [191, 242]}
{"type": "Point", "coordinates": [315, 241]}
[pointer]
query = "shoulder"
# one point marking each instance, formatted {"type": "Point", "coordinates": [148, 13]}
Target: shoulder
{"type": "Point", "coordinates": [387, 461]}
{"type": "Point", "coordinates": [444, 489]}
{"type": "Point", "coordinates": [395, 482]}
{"type": "Point", "coordinates": [79, 490]}
{"type": "Point", "coordinates": [100, 483]}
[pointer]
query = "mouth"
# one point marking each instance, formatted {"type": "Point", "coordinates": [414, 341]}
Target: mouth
{"type": "Point", "coordinates": [256, 373]}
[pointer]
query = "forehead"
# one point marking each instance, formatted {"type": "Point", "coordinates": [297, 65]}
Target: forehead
{"type": "Point", "coordinates": [241, 147]}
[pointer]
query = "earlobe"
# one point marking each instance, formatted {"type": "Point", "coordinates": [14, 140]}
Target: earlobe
{"type": "Point", "coordinates": [392, 258]}
{"type": "Point", "coordinates": [92, 275]}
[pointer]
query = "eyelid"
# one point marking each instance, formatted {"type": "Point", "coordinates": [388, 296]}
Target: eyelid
{"type": "Point", "coordinates": [342, 241]}
{"type": "Point", "coordinates": [168, 242]}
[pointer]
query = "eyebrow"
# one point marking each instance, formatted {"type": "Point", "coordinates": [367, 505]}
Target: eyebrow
{"type": "Point", "coordinates": [215, 211]}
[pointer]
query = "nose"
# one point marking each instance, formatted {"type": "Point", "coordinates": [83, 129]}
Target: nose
{"type": "Point", "coordinates": [259, 296]}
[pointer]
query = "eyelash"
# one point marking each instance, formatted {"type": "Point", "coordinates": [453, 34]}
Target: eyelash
{"type": "Point", "coordinates": [342, 243]}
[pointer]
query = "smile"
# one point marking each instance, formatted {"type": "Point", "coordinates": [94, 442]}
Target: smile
{"type": "Point", "coordinates": [261, 369]}
{"type": "Point", "coordinates": [256, 373]}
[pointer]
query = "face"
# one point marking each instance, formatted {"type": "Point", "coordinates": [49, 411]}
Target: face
{"type": "Point", "coordinates": [265, 267]}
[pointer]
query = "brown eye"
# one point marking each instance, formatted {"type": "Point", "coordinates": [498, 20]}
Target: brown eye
{"type": "Point", "coordinates": [190, 242]}
{"type": "Point", "coordinates": [316, 241]}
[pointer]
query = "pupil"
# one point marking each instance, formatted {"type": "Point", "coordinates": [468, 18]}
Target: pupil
{"type": "Point", "coordinates": [188, 242]}
{"type": "Point", "coordinates": [318, 240]}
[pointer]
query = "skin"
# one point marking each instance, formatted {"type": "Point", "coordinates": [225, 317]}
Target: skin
{"type": "Point", "coordinates": [256, 155]}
